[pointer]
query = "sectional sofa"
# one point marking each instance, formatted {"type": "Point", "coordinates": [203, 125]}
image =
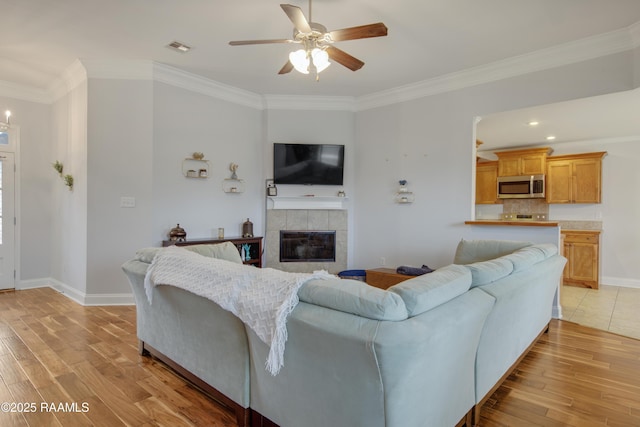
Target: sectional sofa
{"type": "Point", "coordinates": [427, 352]}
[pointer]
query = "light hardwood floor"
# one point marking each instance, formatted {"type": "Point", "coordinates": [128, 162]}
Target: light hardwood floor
{"type": "Point", "coordinates": [55, 351]}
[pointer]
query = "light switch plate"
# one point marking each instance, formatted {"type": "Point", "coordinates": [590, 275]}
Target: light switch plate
{"type": "Point", "coordinates": [127, 202]}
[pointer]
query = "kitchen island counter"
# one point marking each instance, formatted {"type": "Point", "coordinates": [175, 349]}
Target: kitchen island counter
{"type": "Point", "coordinates": [518, 223]}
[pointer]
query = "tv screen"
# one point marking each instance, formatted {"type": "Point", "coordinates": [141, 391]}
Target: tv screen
{"type": "Point", "coordinates": [320, 164]}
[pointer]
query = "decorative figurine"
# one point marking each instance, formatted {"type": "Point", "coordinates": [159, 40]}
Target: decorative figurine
{"type": "Point", "coordinates": [233, 168]}
{"type": "Point", "coordinates": [246, 250]}
{"type": "Point", "coordinates": [247, 228]}
{"type": "Point", "coordinates": [177, 234]}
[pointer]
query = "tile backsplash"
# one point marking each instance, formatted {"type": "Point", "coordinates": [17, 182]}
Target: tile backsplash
{"type": "Point", "coordinates": [525, 206]}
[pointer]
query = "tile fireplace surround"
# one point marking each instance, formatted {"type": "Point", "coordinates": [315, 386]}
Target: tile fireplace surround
{"type": "Point", "coordinates": [306, 220]}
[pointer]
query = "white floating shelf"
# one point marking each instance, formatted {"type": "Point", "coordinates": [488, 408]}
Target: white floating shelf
{"type": "Point", "coordinates": [233, 186]}
{"type": "Point", "coordinates": [307, 202]}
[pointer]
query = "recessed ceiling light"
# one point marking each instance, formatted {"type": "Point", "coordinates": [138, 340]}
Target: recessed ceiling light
{"type": "Point", "coordinates": [179, 47]}
{"type": "Point", "coordinates": [551, 138]}
{"type": "Point", "coordinates": [533, 123]}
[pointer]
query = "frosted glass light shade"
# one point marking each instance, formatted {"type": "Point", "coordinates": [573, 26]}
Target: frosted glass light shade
{"type": "Point", "coordinates": [320, 59]}
{"type": "Point", "coordinates": [300, 61]}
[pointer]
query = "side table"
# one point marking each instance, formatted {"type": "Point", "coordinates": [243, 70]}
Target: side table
{"type": "Point", "coordinates": [384, 278]}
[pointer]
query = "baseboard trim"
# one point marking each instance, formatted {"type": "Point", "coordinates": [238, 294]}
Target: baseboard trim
{"type": "Point", "coordinates": [76, 295]}
{"type": "Point", "coordinates": [620, 281]}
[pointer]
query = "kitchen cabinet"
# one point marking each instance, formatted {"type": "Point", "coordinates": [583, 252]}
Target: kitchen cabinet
{"type": "Point", "coordinates": [487, 183]}
{"type": "Point", "coordinates": [582, 250]}
{"type": "Point", "coordinates": [522, 162]}
{"type": "Point", "coordinates": [575, 178]}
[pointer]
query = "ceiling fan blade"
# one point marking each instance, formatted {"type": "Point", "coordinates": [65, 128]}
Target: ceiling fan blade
{"type": "Point", "coordinates": [244, 42]}
{"type": "Point", "coordinates": [296, 16]}
{"type": "Point", "coordinates": [342, 57]}
{"type": "Point", "coordinates": [361, 32]}
{"type": "Point", "coordinates": [286, 68]}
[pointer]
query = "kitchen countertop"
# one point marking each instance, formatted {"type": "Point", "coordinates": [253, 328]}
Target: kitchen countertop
{"type": "Point", "coordinates": [513, 223]}
{"type": "Point", "coordinates": [564, 225]}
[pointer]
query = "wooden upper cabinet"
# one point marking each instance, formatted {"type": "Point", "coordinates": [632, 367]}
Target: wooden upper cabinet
{"type": "Point", "coordinates": [487, 183]}
{"type": "Point", "coordinates": [575, 178]}
{"type": "Point", "coordinates": [523, 162]}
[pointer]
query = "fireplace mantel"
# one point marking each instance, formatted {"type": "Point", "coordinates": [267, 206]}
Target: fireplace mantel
{"type": "Point", "coordinates": [307, 202]}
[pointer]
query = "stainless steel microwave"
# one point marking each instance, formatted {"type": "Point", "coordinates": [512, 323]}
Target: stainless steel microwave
{"type": "Point", "coordinates": [521, 187]}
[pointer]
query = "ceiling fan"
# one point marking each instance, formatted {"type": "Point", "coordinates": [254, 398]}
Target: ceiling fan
{"type": "Point", "coordinates": [317, 43]}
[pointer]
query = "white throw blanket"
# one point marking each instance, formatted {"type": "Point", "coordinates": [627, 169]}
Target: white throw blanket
{"type": "Point", "coordinates": [262, 298]}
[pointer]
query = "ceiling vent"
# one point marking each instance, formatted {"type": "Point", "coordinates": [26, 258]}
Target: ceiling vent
{"type": "Point", "coordinates": [179, 47]}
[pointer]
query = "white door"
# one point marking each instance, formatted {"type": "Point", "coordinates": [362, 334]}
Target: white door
{"type": "Point", "coordinates": [7, 221]}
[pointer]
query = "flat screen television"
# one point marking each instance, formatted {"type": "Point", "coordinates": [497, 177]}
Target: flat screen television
{"type": "Point", "coordinates": [308, 164]}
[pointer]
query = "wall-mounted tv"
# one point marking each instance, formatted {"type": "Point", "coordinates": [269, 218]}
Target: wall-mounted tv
{"type": "Point", "coordinates": [308, 164]}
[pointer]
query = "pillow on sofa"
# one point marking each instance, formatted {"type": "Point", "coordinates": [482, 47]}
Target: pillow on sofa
{"type": "Point", "coordinates": [548, 249]}
{"type": "Point", "coordinates": [226, 251]}
{"type": "Point", "coordinates": [422, 293]}
{"type": "Point", "coordinates": [353, 296]}
{"type": "Point", "coordinates": [526, 257]}
{"type": "Point", "coordinates": [469, 251]}
{"type": "Point", "coordinates": [489, 271]}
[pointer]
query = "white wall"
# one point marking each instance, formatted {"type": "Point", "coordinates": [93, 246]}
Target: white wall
{"type": "Point", "coordinates": [69, 217]}
{"type": "Point", "coordinates": [619, 210]}
{"type": "Point", "coordinates": [430, 143]}
{"type": "Point", "coordinates": [186, 122]}
{"type": "Point", "coordinates": [311, 127]}
{"type": "Point", "coordinates": [119, 163]}
{"type": "Point", "coordinates": [36, 176]}
{"type": "Point", "coordinates": [636, 67]}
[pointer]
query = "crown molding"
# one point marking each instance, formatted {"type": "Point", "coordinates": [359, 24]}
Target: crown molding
{"type": "Point", "coordinates": [301, 102]}
{"type": "Point", "coordinates": [24, 93]}
{"type": "Point", "coordinates": [568, 53]}
{"type": "Point", "coordinates": [71, 78]}
{"type": "Point", "coordinates": [118, 69]}
{"type": "Point", "coordinates": [544, 59]}
{"type": "Point", "coordinates": [195, 83]}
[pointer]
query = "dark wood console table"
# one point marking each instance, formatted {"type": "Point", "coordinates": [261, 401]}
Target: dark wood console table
{"type": "Point", "coordinates": [255, 246]}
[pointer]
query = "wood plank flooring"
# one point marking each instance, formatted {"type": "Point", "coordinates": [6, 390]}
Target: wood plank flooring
{"type": "Point", "coordinates": [54, 352]}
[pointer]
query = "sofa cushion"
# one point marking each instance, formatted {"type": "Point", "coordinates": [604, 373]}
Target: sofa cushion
{"type": "Point", "coordinates": [526, 257]}
{"type": "Point", "coordinates": [548, 249]}
{"type": "Point", "coordinates": [226, 251]}
{"type": "Point", "coordinates": [354, 296]}
{"type": "Point", "coordinates": [425, 292]}
{"type": "Point", "coordinates": [469, 251]}
{"type": "Point", "coordinates": [489, 271]}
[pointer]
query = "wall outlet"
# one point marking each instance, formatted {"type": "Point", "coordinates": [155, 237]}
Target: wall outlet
{"type": "Point", "coordinates": [127, 202]}
{"type": "Point", "coordinates": [383, 261]}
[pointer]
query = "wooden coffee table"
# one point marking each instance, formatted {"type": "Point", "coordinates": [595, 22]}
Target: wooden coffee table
{"type": "Point", "coordinates": [384, 278]}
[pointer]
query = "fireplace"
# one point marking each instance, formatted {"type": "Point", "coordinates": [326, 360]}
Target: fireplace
{"type": "Point", "coordinates": [281, 221]}
{"type": "Point", "coordinates": [307, 246]}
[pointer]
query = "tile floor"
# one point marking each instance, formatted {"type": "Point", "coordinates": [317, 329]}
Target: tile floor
{"type": "Point", "coordinates": [610, 308]}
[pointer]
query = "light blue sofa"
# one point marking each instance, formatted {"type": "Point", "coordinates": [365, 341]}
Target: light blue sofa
{"type": "Point", "coordinates": [196, 337]}
{"type": "Point", "coordinates": [426, 352]}
{"type": "Point", "coordinates": [362, 356]}
{"type": "Point", "coordinates": [523, 278]}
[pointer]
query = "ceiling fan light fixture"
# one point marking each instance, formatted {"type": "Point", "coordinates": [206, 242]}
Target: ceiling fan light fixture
{"type": "Point", "coordinates": [300, 60]}
{"type": "Point", "coordinates": [320, 59]}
